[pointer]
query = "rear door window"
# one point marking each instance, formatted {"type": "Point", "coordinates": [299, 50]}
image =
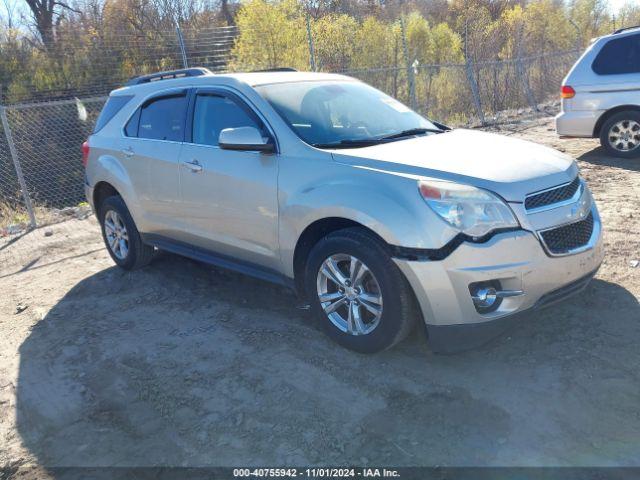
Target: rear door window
{"type": "Point", "coordinates": [113, 106]}
{"type": "Point", "coordinates": [163, 118]}
{"type": "Point", "coordinates": [619, 56]}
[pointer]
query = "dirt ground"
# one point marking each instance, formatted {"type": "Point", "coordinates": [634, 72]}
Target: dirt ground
{"type": "Point", "coordinates": [184, 364]}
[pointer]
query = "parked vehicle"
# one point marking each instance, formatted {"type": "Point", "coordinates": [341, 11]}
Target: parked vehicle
{"type": "Point", "coordinates": [378, 216]}
{"type": "Point", "coordinates": [601, 94]}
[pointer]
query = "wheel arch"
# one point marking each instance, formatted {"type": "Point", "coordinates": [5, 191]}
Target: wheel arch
{"type": "Point", "coordinates": [102, 191]}
{"type": "Point", "coordinates": [312, 234]}
{"type": "Point", "coordinates": [612, 111]}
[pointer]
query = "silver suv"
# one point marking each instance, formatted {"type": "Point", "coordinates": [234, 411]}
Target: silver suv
{"type": "Point", "coordinates": [378, 216]}
{"type": "Point", "coordinates": [601, 94]}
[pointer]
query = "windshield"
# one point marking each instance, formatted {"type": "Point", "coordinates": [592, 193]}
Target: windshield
{"type": "Point", "coordinates": [335, 113]}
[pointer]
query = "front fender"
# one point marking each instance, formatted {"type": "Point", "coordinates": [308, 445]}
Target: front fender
{"type": "Point", "coordinates": [390, 206]}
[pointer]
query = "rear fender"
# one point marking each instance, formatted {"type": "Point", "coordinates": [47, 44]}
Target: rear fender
{"type": "Point", "coordinates": [108, 168]}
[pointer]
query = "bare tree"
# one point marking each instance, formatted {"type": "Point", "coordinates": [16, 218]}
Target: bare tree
{"type": "Point", "coordinates": [10, 8]}
{"type": "Point", "coordinates": [45, 14]}
{"type": "Point", "coordinates": [226, 12]}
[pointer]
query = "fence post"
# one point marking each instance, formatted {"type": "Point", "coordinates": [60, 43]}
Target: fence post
{"type": "Point", "coordinates": [16, 165]}
{"type": "Point", "coordinates": [475, 93]}
{"type": "Point", "coordinates": [410, 73]}
{"type": "Point", "coordinates": [183, 51]}
{"type": "Point", "coordinates": [525, 83]}
{"type": "Point", "coordinates": [468, 67]}
{"type": "Point", "coordinates": [312, 50]}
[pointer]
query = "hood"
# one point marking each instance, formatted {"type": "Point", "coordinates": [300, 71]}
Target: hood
{"type": "Point", "coordinates": [507, 166]}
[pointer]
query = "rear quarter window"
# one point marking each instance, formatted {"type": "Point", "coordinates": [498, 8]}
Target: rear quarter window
{"type": "Point", "coordinates": [131, 128]}
{"type": "Point", "coordinates": [619, 56]}
{"type": "Point", "coordinates": [113, 106]}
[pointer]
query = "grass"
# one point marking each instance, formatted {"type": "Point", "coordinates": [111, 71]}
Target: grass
{"type": "Point", "coordinates": [16, 214]}
{"type": "Point", "coordinates": [10, 215]}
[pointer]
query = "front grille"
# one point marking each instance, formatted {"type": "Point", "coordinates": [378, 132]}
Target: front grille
{"type": "Point", "coordinates": [564, 239]}
{"type": "Point", "coordinates": [555, 195]}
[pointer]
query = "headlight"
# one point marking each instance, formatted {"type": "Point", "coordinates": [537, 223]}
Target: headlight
{"type": "Point", "coordinates": [473, 211]}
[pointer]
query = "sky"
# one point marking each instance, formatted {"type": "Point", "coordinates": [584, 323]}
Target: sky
{"type": "Point", "coordinates": [617, 4]}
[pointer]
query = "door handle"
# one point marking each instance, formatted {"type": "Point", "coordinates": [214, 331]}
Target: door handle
{"type": "Point", "coordinates": [193, 165]}
{"type": "Point", "coordinates": [128, 152]}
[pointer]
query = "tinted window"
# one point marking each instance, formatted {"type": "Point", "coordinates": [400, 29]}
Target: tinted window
{"type": "Point", "coordinates": [131, 129]}
{"type": "Point", "coordinates": [113, 106]}
{"type": "Point", "coordinates": [163, 118]}
{"type": "Point", "coordinates": [214, 113]}
{"type": "Point", "coordinates": [618, 56]}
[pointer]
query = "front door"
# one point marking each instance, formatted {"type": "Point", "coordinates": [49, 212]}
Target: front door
{"type": "Point", "coordinates": [229, 198]}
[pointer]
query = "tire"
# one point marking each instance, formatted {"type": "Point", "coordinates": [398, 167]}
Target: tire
{"type": "Point", "coordinates": [380, 279]}
{"type": "Point", "coordinates": [626, 127]}
{"type": "Point", "coordinates": [114, 212]}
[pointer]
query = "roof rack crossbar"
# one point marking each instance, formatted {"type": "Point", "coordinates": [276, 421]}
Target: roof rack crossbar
{"type": "Point", "coordinates": [154, 77]}
{"type": "Point", "coordinates": [625, 29]}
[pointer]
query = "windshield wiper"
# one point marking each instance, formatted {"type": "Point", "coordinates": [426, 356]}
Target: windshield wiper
{"type": "Point", "coordinates": [367, 142]}
{"type": "Point", "coordinates": [350, 143]}
{"type": "Point", "coordinates": [411, 132]}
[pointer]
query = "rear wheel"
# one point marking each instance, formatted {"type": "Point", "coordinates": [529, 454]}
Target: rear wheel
{"type": "Point", "coordinates": [360, 296]}
{"type": "Point", "coordinates": [620, 134]}
{"type": "Point", "coordinates": [121, 236]}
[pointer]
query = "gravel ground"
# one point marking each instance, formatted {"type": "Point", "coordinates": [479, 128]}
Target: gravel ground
{"type": "Point", "coordinates": [184, 364]}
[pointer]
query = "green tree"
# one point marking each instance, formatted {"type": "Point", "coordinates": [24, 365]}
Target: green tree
{"type": "Point", "coordinates": [590, 18]}
{"type": "Point", "coordinates": [375, 45]}
{"type": "Point", "coordinates": [271, 35]}
{"type": "Point", "coordinates": [334, 39]}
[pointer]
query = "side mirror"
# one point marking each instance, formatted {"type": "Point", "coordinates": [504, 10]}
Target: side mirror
{"type": "Point", "coordinates": [245, 139]}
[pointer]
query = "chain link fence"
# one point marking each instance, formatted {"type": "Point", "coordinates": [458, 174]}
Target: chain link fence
{"type": "Point", "coordinates": [41, 174]}
{"type": "Point", "coordinates": [46, 139]}
{"type": "Point", "coordinates": [13, 211]}
{"type": "Point", "coordinates": [463, 94]}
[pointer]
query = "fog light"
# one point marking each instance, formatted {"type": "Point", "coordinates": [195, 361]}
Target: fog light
{"type": "Point", "coordinates": [487, 296]}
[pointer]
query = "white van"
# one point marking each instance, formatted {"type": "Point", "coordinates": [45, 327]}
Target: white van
{"type": "Point", "coordinates": [601, 94]}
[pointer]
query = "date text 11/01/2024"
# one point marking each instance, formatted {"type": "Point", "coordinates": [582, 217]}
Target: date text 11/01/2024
{"type": "Point", "coordinates": [316, 472]}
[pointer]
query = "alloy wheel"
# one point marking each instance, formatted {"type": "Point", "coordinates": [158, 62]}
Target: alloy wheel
{"type": "Point", "coordinates": [349, 294]}
{"type": "Point", "coordinates": [116, 234]}
{"type": "Point", "coordinates": [624, 136]}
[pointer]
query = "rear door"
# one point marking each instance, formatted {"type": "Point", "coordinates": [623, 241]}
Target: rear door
{"type": "Point", "coordinates": [229, 198]}
{"type": "Point", "coordinates": [154, 139]}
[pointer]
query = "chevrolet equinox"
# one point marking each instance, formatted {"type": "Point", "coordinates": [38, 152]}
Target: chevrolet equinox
{"type": "Point", "coordinates": [380, 217]}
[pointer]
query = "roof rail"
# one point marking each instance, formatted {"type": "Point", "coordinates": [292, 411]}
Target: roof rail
{"type": "Point", "coordinates": [625, 29]}
{"type": "Point", "coordinates": [276, 69]}
{"type": "Point", "coordinates": [154, 77]}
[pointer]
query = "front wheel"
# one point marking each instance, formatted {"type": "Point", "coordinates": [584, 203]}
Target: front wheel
{"type": "Point", "coordinates": [360, 296]}
{"type": "Point", "coordinates": [620, 135]}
